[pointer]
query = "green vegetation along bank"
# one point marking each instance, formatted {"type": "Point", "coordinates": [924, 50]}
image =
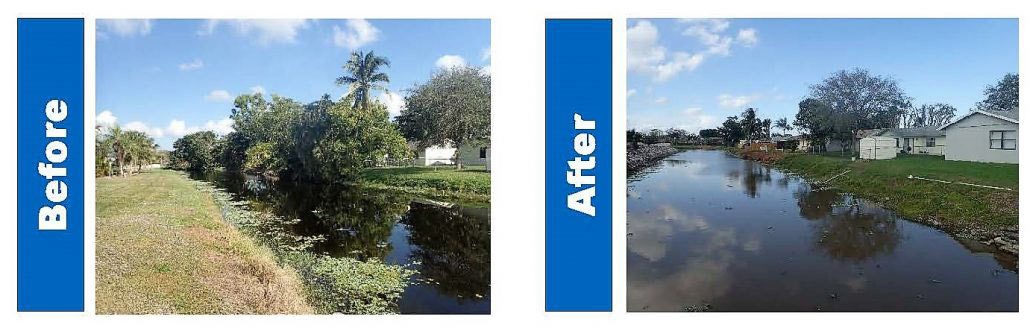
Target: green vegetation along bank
{"type": "Point", "coordinates": [469, 184]}
{"type": "Point", "coordinates": [167, 244]}
{"type": "Point", "coordinates": [966, 211]}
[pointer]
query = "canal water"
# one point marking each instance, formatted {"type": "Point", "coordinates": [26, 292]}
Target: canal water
{"type": "Point", "coordinates": [707, 231]}
{"type": "Point", "coordinates": [448, 246]}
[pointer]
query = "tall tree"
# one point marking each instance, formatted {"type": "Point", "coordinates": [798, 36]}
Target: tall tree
{"type": "Point", "coordinates": [750, 124]}
{"type": "Point", "coordinates": [731, 131]}
{"type": "Point", "coordinates": [930, 115]}
{"type": "Point", "coordinates": [783, 124]}
{"type": "Point", "coordinates": [116, 138]}
{"type": "Point", "coordinates": [452, 107]}
{"type": "Point", "coordinates": [1004, 95]}
{"type": "Point", "coordinates": [356, 138]}
{"type": "Point", "coordinates": [859, 100]}
{"type": "Point", "coordinates": [814, 119]}
{"type": "Point", "coordinates": [364, 74]}
{"type": "Point", "coordinates": [766, 129]}
{"type": "Point", "coordinates": [195, 151]}
{"type": "Point", "coordinates": [139, 149]}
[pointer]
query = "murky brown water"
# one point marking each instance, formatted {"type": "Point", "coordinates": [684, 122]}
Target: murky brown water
{"type": "Point", "coordinates": [711, 232]}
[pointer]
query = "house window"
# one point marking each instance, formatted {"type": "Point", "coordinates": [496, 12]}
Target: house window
{"type": "Point", "coordinates": [1003, 140]}
{"type": "Point", "coordinates": [897, 143]}
{"type": "Point", "coordinates": [931, 142]}
{"type": "Point", "coordinates": [482, 152]}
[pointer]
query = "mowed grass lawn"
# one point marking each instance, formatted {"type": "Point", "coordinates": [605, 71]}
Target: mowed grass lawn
{"type": "Point", "coordinates": [886, 181]}
{"type": "Point", "coordinates": [162, 247]}
{"type": "Point", "coordinates": [471, 182]}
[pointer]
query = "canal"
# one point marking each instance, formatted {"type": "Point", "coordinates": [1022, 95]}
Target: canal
{"type": "Point", "coordinates": [449, 245]}
{"type": "Point", "coordinates": [707, 231]}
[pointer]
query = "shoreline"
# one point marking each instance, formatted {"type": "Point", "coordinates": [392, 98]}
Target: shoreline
{"type": "Point", "coordinates": [1002, 238]}
{"type": "Point", "coordinates": [332, 284]}
{"type": "Point", "coordinates": [646, 156]}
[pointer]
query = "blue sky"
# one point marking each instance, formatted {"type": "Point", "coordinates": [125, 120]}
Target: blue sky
{"type": "Point", "coordinates": [172, 77]}
{"type": "Point", "coordinates": [692, 74]}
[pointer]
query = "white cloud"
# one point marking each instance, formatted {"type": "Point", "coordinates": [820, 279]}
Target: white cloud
{"type": "Point", "coordinates": [193, 65]}
{"type": "Point", "coordinates": [218, 95]}
{"type": "Point", "coordinates": [450, 61]}
{"type": "Point", "coordinates": [358, 32]}
{"type": "Point", "coordinates": [661, 100]}
{"type": "Point", "coordinates": [257, 89]}
{"type": "Point", "coordinates": [219, 127]}
{"type": "Point", "coordinates": [709, 33]}
{"type": "Point", "coordinates": [731, 101]}
{"type": "Point", "coordinates": [265, 31]}
{"type": "Point", "coordinates": [106, 119]}
{"type": "Point", "coordinates": [631, 92]}
{"type": "Point", "coordinates": [645, 56]}
{"type": "Point", "coordinates": [393, 101]}
{"type": "Point", "coordinates": [485, 55]}
{"type": "Point", "coordinates": [488, 69]}
{"type": "Point", "coordinates": [177, 128]}
{"type": "Point", "coordinates": [123, 27]}
{"type": "Point", "coordinates": [747, 37]}
{"type": "Point", "coordinates": [680, 61]}
{"type": "Point", "coordinates": [142, 127]}
{"type": "Point", "coordinates": [713, 34]}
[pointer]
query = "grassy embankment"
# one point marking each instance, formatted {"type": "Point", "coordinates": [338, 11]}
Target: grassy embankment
{"type": "Point", "coordinates": [963, 210]}
{"type": "Point", "coordinates": [471, 183]}
{"type": "Point", "coordinates": [162, 247]}
{"type": "Point", "coordinates": [167, 244]}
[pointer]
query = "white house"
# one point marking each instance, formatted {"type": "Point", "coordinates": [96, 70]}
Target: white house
{"type": "Point", "coordinates": [984, 136]}
{"type": "Point", "coordinates": [927, 140]}
{"type": "Point", "coordinates": [475, 153]}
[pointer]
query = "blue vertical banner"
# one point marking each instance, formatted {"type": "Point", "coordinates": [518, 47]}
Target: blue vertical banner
{"type": "Point", "coordinates": [578, 172]}
{"type": "Point", "coordinates": [50, 164]}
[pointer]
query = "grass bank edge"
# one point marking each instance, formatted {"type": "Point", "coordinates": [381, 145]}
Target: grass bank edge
{"type": "Point", "coordinates": [333, 285]}
{"type": "Point", "coordinates": [164, 257]}
{"type": "Point", "coordinates": [964, 211]}
{"type": "Point", "coordinates": [469, 185]}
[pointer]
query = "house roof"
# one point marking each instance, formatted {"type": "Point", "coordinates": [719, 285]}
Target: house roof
{"type": "Point", "coordinates": [923, 131]}
{"type": "Point", "coordinates": [1005, 115]}
{"type": "Point", "coordinates": [869, 132]}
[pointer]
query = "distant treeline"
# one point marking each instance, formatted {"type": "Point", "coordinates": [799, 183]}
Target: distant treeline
{"type": "Point", "coordinates": [836, 108]}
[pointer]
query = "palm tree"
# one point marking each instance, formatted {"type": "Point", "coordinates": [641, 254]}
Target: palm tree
{"type": "Point", "coordinates": [139, 149]}
{"type": "Point", "coordinates": [117, 139]}
{"type": "Point", "coordinates": [783, 125]}
{"type": "Point", "coordinates": [364, 75]}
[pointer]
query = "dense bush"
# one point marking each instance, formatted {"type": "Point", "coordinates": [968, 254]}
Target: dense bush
{"type": "Point", "coordinates": [195, 151]}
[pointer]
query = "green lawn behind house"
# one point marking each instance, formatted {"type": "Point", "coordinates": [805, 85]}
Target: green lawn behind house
{"type": "Point", "coordinates": [960, 207]}
{"type": "Point", "coordinates": [469, 183]}
{"type": "Point", "coordinates": [162, 247]}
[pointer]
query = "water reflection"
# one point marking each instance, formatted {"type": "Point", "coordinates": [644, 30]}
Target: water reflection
{"type": "Point", "coordinates": [750, 176]}
{"type": "Point", "coordinates": [448, 245]}
{"type": "Point", "coordinates": [847, 228]}
{"type": "Point", "coordinates": [711, 232]}
{"type": "Point", "coordinates": [453, 248]}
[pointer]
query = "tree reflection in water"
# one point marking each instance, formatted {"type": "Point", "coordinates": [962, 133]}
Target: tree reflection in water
{"type": "Point", "coordinates": [453, 248]}
{"type": "Point", "coordinates": [751, 175]}
{"type": "Point", "coordinates": [847, 228]}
